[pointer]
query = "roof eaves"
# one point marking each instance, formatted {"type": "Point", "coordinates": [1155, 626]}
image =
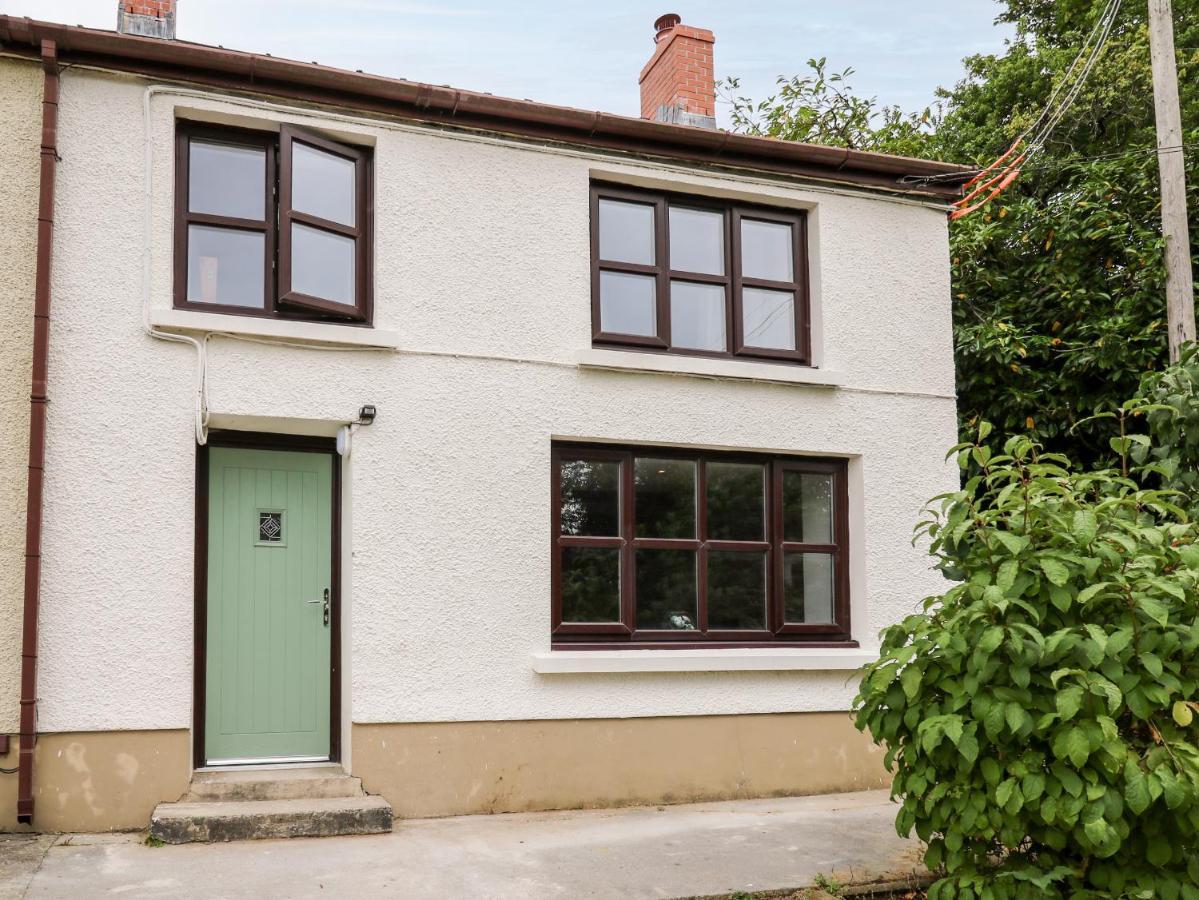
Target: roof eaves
{"type": "Point", "coordinates": [262, 73]}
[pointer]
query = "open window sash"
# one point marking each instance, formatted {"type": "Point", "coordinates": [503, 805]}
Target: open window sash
{"type": "Point", "coordinates": [324, 219]}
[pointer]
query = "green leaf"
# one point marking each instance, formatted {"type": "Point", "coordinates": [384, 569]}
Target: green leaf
{"type": "Point", "coordinates": [1152, 664]}
{"type": "Point", "coordinates": [1003, 793]}
{"type": "Point", "coordinates": [1014, 544]}
{"type": "Point", "coordinates": [1006, 577]}
{"type": "Point", "coordinates": [1033, 786]}
{"type": "Point", "coordinates": [1069, 702]}
{"type": "Point", "coordinates": [991, 639]}
{"type": "Point", "coordinates": [1182, 714]}
{"type": "Point", "coordinates": [1158, 852]}
{"type": "Point", "coordinates": [910, 680]}
{"type": "Point", "coordinates": [1085, 526]}
{"type": "Point", "coordinates": [1091, 591]}
{"type": "Point", "coordinates": [1016, 716]}
{"type": "Point", "coordinates": [1054, 570]}
{"type": "Point", "coordinates": [1072, 744]}
{"type": "Point", "coordinates": [1136, 788]}
{"type": "Point", "coordinates": [968, 747]}
{"type": "Point", "coordinates": [993, 720]}
{"type": "Point", "coordinates": [991, 771]}
{"type": "Point", "coordinates": [1189, 556]}
{"type": "Point", "coordinates": [1154, 609]}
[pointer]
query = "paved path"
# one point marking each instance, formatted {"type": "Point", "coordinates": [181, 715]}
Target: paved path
{"type": "Point", "coordinates": [650, 852]}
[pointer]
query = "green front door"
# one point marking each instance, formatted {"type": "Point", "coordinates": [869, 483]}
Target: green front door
{"type": "Point", "coordinates": [267, 663]}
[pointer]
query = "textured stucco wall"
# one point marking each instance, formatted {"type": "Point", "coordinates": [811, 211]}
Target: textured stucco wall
{"type": "Point", "coordinates": [20, 141]}
{"type": "Point", "coordinates": [482, 250]}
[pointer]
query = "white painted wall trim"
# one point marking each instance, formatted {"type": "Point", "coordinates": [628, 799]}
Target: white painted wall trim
{"type": "Point", "coordinates": [705, 367]}
{"type": "Point", "coordinates": [569, 662]}
{"type": "Point", "coordinates": [282, 330]}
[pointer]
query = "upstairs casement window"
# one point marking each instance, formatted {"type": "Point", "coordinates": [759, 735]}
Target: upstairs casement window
{"type": "Point", "coordinates": [660, 548]}
{"type": "Point", "coordinates": [272, 224]}
{"type": "Point", "coordinates": [696, 276]}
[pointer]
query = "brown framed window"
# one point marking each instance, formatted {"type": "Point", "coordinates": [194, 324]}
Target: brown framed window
{"type": "Point", "coordinates": [697, 276]}
{"type": "Point", "coordinates": [664, 548]}
{"type": "Point", "coordinates": [273, 225]}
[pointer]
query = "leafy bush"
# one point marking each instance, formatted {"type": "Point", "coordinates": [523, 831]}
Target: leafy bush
{"type": "Point", "coordinates": [1169, 402]}
{"type": "Point", "coordinates": [1040, 715]}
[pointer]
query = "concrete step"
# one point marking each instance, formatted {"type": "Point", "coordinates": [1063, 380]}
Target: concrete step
{"type": "Point", "coordinates": [299, 783]}
{"type": "Point", "coordinates": [207, 821]}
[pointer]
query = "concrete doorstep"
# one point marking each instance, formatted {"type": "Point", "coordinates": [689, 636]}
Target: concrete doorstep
{"type": "Point", "coordinates": [695, 850]}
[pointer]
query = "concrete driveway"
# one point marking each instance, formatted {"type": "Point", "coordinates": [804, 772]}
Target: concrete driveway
{"type": "Point", "coordinates": [651, 852]}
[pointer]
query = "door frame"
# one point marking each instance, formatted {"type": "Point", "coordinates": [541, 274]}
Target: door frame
{"type": "Point", "coordinates": [253, 440]}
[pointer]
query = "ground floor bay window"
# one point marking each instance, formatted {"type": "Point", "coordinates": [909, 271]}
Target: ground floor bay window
{"type": "Point", "coordinates": [666, 548]}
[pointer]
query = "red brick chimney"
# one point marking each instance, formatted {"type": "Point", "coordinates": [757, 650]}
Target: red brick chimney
{"type": "Point", "coordinates": [678, 84]}
{"type": "Point", "coordinates": [149, 18]}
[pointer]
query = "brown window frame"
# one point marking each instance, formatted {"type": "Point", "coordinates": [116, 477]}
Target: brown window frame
{"type": "Point", "coordinates": [611, 635]}
{"type": "Point", "coordinates": [732, 279]}
{"type": "Point", "coordinates": [279, 300]}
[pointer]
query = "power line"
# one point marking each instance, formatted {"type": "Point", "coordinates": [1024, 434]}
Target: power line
{"type": "Point", "coordinates": [1033, 139]}
{"type": "Point", "coordinates": [1070, 161]}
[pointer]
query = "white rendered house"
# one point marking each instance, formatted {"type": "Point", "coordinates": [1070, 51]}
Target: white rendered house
{"type": "Point", "coordinates": [503, 455]}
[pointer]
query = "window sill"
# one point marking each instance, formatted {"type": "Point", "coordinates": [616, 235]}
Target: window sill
{"type": "Point", "coordinates": [705, 367]}
{"type": "Point", "coordinates": [569, 662]}
{"type": "Point", "coordinates": [184, 320]}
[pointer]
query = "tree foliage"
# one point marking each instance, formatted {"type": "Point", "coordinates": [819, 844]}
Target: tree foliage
{"type": "Point", "coordinates": [822, 108]}
{"type": "Point", "coordinates": [1059, 285]}
{"type": "Point", "coordinates": [1040, 716]}
{"type": "Point", "coordinates": [1168, 404]}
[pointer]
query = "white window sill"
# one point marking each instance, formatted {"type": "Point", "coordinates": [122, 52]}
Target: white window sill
{"type": "Point", "coordinates": [798, 659]}
{"type": "Point", "coordinates": [705, 367]}
{"type": "Point", "coordinates": [184, 320]}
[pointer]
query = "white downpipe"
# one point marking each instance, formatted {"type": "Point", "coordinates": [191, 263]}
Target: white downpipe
{"type": "Point", "coordinates": [201, 344]}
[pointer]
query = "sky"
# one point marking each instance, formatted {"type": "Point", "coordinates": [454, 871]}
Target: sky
{"type": "Point", "coordinates": [587, 55]}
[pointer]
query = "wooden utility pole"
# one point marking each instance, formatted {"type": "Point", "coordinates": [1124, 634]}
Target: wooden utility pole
{"type": "Point", "coordinates": [1180, 295]}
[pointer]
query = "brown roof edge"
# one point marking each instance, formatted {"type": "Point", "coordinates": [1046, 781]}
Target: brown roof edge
{"type": "Point", "coordinates": [236, 70]}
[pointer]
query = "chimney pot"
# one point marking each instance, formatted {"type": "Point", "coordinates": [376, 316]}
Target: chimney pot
{"type": "Point", "coordinates": [678, 84]}
{"type": "Point", "coordinates": [148, 18]}
{"type": "Point", "coordinates": [665, 23]}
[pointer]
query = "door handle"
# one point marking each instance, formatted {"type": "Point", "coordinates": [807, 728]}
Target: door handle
{"type": "Point", "coordinates": [325, 601]}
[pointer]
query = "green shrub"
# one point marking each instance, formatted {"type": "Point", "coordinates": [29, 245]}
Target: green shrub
{"type": "Point", "coordinates": [1169, 402]}
{"type": "Point", "coordinates": [1040, 715]}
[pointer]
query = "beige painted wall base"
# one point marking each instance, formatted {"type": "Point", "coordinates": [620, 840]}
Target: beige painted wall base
{"type": "Point", "coordinates": [111, 781]}
{"type": "Point", "coordinates": [99, 781]}
{"type": "Point", "coordinates": [461, 768]}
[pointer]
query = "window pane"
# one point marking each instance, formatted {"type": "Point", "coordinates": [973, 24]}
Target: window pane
{"type": "Point", "coordinates": [626, 232]}
{"type": "Point", "coordinates": [666, 590]}
{"type": "Point", "coordinates": [696, 241]}
{"type": "Point", "coordinates": [769, 318]}
{"type": "Point", "coordinates": [590, 584]}
{"type": "Point", "coordinates": [767, 250]}
{"type": "Point", "coordinates": [697, 315]}
{"type": "Point", "coordinates": [665, 498]}
{"type": "Point", "coordinates": [736, 501]}
{"type": "Point", "coordinates": [225, 266]}
{"type": "Point", "coordinates": [808, 588]}
{"type": "Point", "coordinates": [736, 590]}
{"type": "Point", "coordinates": [808, 507]}
{"type": "Point", "coordinates": [322, 184]}
{"type": "Point", "coordinates": [226, 180]}
{"type": "Point", "coordinates": [627, 303]}
{"type": "Point", "coordinates": [590, 498]}
{"type": "Point", "coordinates": [322, 264]}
